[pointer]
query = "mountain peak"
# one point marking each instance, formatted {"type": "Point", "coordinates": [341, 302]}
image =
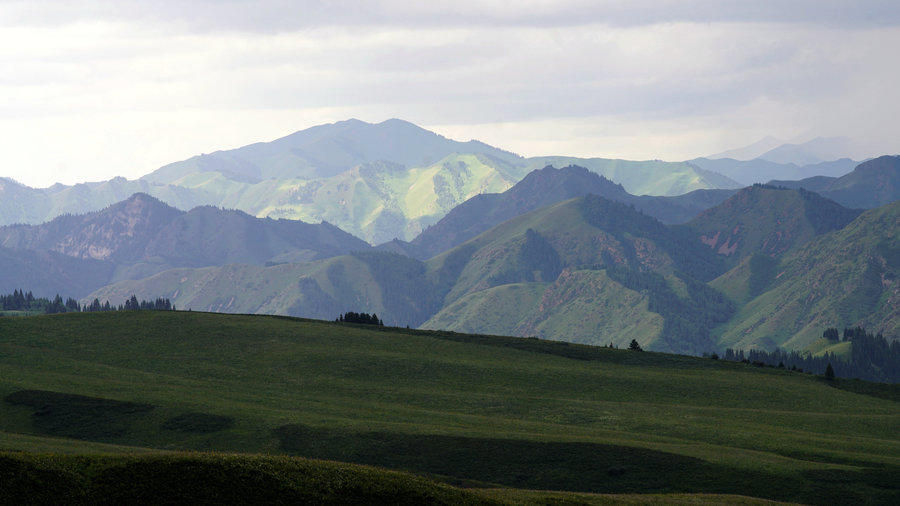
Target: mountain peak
{"type": "Point", "coordinates": [820, 149]}
{"type": "Point", "coordinates": [769, 220]}
{"type": "Point", "coordinates": [140, 203]}
{"type": "Point", "coordinates": [541, 187]}
{"type": "Point", "coordinates": [750, 151]}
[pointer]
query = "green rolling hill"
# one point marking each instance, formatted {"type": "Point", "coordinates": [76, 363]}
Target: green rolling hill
{"type": "Point", "coordinates": [465, 409]}
{"type": "Point", "coordinates": [840, 279]}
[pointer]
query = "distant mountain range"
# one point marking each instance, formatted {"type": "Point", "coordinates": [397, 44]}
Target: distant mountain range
{"type": "Point", "coordinates": [771, 149]}
{"type": "Point", "coordinates": [475, 239]}
{"type": "Point", "coordinates": [389, 180]}
{"type": "Point", "coordinates": [377, 181]}
{"type": "Point", "coordinates": [759, 170]}
{"type": "Point", "coordinates": [871, 184]}
{"type": "Point", "coordinates": [771, 159]}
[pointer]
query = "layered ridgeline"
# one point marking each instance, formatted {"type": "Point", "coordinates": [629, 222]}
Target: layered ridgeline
{"type": "Point", "coordinates": [541, 274]}
{"type": "Point", "coordinates": [377, 181]}
{"type": "Point", "coordinates": [486, 412]}
{"type": "Point", "coordinates": [759, 170]}
{"type": "Point", "coordinates": [871, 184]}
{"type": "Point", "coordinates": [587, 270]}
{"type": "Point", "coordinates": [770, 159]}
{"type": "Point", "coordinates": [845, 278]}
{"type": "Point", "coordinates": [142, 236]}
{"type": "Point", "coordinates": [541, 188]}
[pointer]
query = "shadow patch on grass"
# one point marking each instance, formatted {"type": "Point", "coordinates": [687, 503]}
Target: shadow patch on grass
{"type": "Point", "coordinates": [886, 391]}
{"type": "Point", "coordinates": [863, 486]}
{"type": "Point", "coordinates": [201, 423]}
{"type": "Point", "coordinates": [582, 467]}
{"type": "Point", "coordinates": [78, 416]}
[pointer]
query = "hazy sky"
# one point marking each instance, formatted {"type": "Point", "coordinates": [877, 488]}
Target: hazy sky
{"type": "Point", "coordinates": [92, 89]}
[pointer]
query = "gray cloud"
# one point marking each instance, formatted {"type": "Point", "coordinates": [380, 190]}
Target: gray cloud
{"type": "Point", "coordinates": [286, 15]}
{"type": "Point", "coordinates": [678, 73]}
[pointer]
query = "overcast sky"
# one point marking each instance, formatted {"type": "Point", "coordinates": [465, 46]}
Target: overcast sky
{"type": "Point", "coordinates": [90, 89]}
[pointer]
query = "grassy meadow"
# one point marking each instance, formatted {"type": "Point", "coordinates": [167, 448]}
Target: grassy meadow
{"type": "Point", "coordinates": [465, 410]}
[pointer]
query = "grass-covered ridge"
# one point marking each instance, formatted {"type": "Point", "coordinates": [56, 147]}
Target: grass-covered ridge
{"type": "Point", "coordinates": [437, 403]}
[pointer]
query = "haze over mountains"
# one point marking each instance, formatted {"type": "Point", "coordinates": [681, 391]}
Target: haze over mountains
{"type": "Point", "coordinates": [377, 181]}
{"type": "Point", "coordinates": [141, 236]}
{"type": "Point", "coordinates": [476, 239]}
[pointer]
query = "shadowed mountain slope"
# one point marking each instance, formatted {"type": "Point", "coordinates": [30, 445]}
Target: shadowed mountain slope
{"type": "Point", "coordinates": [47, 273]}
{"type": "Point", "coordinates": [142, 236]}
{"type": "Point", "coordinates": [767, 220]}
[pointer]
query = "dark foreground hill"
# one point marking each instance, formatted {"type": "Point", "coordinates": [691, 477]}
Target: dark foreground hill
{"type": "Point", "coordinates": [201, 479]}
{"type": "Point", "coordinates": [468, 409]}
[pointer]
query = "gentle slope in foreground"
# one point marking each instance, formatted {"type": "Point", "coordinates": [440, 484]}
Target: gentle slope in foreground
{"type": "Point", "coordinates": [519, 413]}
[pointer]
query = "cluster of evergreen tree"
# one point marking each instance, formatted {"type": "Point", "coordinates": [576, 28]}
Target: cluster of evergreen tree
{"type": "Point", "coordinates": [20, 300]}
{"type": "Point", "coordinates": [872, 357]}
{"type": "Point", "coordinates": [368, 319]}
{"type": "Point", "coordinates": [132, 304]}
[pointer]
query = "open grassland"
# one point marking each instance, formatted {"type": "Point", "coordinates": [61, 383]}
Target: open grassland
{"type": "Point", "coordinates": [465, 409]}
